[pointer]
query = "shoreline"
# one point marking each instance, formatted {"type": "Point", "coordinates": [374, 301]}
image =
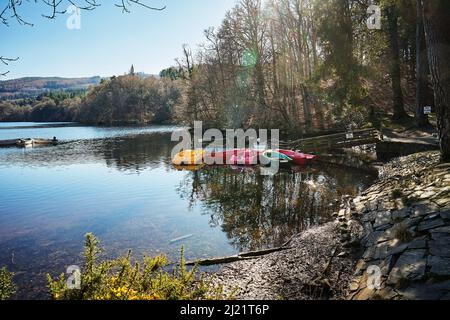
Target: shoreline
{"type": "Point", "coordinates": [401, 225]}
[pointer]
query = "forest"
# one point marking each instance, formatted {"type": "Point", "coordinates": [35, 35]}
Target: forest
{"type": "Point", "coordinates": [302, 66]}
{"type": "Point", "coordinates": [123, 100]}
{"type": "Point", "coordinates": [307, 65]}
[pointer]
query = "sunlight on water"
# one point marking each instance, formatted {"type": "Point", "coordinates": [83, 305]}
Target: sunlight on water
{"type": "Point", "coordinates": [119, 184]}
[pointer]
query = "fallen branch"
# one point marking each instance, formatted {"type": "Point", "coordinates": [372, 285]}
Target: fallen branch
{"type": "Point", "coordinates": [215, 261]}
{"type": "Point", "coordinates": [239, 257]}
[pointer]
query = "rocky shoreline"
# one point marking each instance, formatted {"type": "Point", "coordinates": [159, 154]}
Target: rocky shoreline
{"type": "Point", "coordinates": [392, 242]}
{"type": "Point", "coordinates": [406, 231]}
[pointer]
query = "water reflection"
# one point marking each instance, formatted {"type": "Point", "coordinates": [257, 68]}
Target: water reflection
{"type": "Point", "coordinates": [120, 185]}
{"type": "Point", "coordinates": [258, 211]}
{"type": "Point", "coordinates": [133, 153]}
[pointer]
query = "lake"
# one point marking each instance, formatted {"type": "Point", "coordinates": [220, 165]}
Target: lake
{"type": "Point", "coordinates": [119, 184]}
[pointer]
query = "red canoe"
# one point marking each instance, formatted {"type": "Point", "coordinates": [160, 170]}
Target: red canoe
{"type": "Point", "coordinates": [244, 157]}
{"type": "Point", "coordinates": [298, 157]}
{"type": "Point", "coordinates": [237, 154]}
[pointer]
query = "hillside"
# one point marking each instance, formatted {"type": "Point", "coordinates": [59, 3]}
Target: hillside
{"type": "Point", "coordinates": [32, 86]}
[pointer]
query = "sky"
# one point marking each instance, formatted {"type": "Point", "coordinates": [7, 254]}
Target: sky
{"type": "Point", "coordinates": [108, 41]}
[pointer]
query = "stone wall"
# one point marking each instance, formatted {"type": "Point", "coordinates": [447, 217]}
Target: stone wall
{"type": "Point", "coordinates": [406, 231]}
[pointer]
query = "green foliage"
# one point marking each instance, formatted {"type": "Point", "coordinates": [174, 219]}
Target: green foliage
{"type": "Point", "coordinates": [122, 279]}
{"type": "Point", "coordinates": [52, 106]}
{"type": "Point", "coordinates": [130, 100]}
{"type": "Point", "coordinates": [172, 73]}
{"type": "Point", "coordinates": [7, 287]}
{"type": "Point", "coordinates": [127, 99]}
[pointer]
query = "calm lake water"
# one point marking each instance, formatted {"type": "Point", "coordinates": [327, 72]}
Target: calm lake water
{"type": "Point", "coordinates": [118, 183]}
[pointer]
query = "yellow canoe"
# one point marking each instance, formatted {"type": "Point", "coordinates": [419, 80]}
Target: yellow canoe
{"type": "Point", "coordinates": [193, 167]}
{"type": "Point", "coordinates": [189, 157]}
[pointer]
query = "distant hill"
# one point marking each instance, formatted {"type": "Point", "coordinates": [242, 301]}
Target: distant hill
{"type": "Point", "coordinates": [33, 86]}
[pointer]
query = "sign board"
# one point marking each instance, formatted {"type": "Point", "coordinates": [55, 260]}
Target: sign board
{"type": "Point", "coordinates": [349, 135]}
{"type": "Point", "coordinates": [427, 110]}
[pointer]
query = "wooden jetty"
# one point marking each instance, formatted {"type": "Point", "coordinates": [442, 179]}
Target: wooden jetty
{"type": "Point", "coordinates": [388, 145]}
{"type": "Point", "coordinates": [335, 141]}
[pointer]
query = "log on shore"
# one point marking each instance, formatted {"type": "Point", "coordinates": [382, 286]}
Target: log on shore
{"type": "Point", "coordinates": [239, 257]}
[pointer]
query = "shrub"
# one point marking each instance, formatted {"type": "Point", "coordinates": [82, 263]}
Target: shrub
{"type": "Point", "coordinates": [121, 279]}
{"type": "Point", "coordinates": [397, 193]}
{"type": "Point", "coordinates": [7, 287]}
{"type": "Point", "coordinates": [402, 233]}
{"type": "Point", "coordinates": [407, 201]}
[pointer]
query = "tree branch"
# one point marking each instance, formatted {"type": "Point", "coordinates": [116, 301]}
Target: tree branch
{"type": "Point", "coordinates": [11, 11]}
{"type": "Point", "coordinates": [6, 61]}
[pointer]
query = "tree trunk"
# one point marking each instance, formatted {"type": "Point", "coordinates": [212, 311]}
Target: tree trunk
{"type": "Point", "coordinates": [399, 110]}
{"type": "Point", "coordinates": [422, 69]}
{"type": "Point", "coordinates": [436, 16]}
{"type": "Point", "coordinates": [306, 108]}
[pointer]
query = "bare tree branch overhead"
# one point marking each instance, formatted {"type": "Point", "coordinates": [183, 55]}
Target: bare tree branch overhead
{"type": "Point", "coordinates": [58, 7]}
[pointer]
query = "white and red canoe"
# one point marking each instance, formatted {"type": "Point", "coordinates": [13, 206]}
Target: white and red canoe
{"type": "Point", "coordinates": [298, 158]}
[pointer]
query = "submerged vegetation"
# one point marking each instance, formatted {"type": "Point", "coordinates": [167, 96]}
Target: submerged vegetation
{"type": "Point", "coordinates": [7, 286]}
{"type": "Point", "coordinates": [123, 279]}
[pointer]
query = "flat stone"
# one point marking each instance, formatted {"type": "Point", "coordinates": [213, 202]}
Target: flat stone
{"type": "Point", "coordinates": [411, 265]}
{"type": "Point", "coordinates": [445, 215]}
{"type": "Point", "coordinates": [386, 266]}
{"type": "Point", "coordinates": [369, 253]}
{"type": "Point", "coordinates": [440, 245]}
{"type": "Point", "coordinates": [385, 236]}
{"type": "Point", "coordinates": [439, 266]}
{"type": "Point", "coordinates": [401, 214]}
{"type": "Point", "coordinates": [381, 251]}
{"type": "Point", "coordinates": [420, 291]}
{"type": "Point", "coordinates": [432, 215]}
{"type": "Point", "coordinates": [355, 284]}
{"type": "Point", "coordinates": [431, 224]}
{"type": "Point", "coordinates": [420, 209]}
{"type": "Point", "coordinates": [442, 192]}
{"type": "Point", "coordinates": [412, 222]}
{"type": "Point", "coordinates": [360, 267]}
{"type": "Point", "coordinates": [365, 294]}
{"type": "Point", "coordinates": [373, 238]}
{"type": "Point", "coordinates": [369, 216]}
{"type": "Point", "coordinates": [427, 194]}
{"type": "Point", "coordinates": [359, 207]}
{"type": "Point", "coordinates": [445, 229]}
{"type": "Point", "coordinates": [443, 202]}
{"type": "Point", "coordinates": [398, 248]}
{"type": "Point", "coordinates": [418, 243]}
{"type": "Point", "coordinates": [387, 293]}
{"type": "Point", "coordinates": [382, 218]}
